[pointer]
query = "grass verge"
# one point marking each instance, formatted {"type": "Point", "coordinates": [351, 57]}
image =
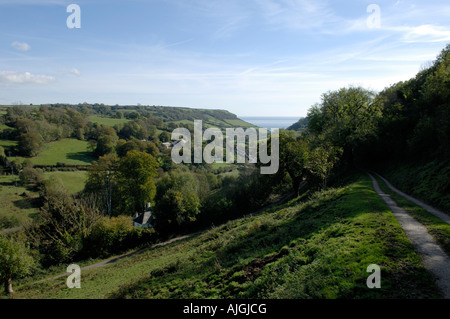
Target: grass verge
{"type": "Point", "coordinates": [429, 182]}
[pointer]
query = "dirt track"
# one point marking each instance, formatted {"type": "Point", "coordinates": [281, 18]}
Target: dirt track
{"type": "Point", "coordinates": [434, 258]}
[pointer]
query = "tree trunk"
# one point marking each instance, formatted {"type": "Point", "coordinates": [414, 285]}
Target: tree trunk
{"type": "Point", "coordinates": [296, 185]}
{"type": "Point", "coordinates": [8, 286]}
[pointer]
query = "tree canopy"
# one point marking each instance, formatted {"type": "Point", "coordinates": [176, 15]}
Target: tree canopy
{"type": "Point", "coordinates": [15, 261]}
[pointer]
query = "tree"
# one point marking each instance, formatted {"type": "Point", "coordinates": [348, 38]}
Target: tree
{"type": "Point", "coordinates": [107, 141]}
{"type": "Point", "coordinates": [31, 176]}
{"type": "Point", "coordinates": [30, 141]}
{"type": "Point", "coordinates": [293, 159]}
{"type": "Point", "coordinates": [102, 180]}
{"type": "Point", "coordinates": [15, 261]}
{"type": "Point", "coordinates": [30, 144]}
{"type": "Point", "coordinates": [135, 180]}
{"type": "Point", "coordinates": [133, 129]}
{"type": "Point", "coordinates": [164, 137]}
{"type": "Point", "coordinates": [321, 161]}
{"type": "Point", "coordinates": [3, 159]}
{"type": "Point", "coordinates": [63, 223]}
{"type": "Point", "coordinates": [123, 147]}
{"type": "Point", "coordinates": [178, 202]}
{"type": "Point", "coordinates": [346, 118]}
{"type": "Point", "coordinates": [92, 145]}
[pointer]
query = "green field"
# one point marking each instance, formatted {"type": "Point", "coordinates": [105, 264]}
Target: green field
{"type": "Point", "coordinates": [68, 151]}
{"type": "Point", "coordinates": [72, 181]}
{"type": "Point", "coordinates": [107, 121]}
{"type": "Point", "coordinates": [7, 143]}
{"type": "Point", "coordinates": [239, 123]}
{"type": "Point", "coordinates": [17, 203]}
{"type": "Point", "coordinates": [316, 247]}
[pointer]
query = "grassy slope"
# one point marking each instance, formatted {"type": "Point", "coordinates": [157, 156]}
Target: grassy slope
{"type": "Point", "coordinates": [72, 181]}
{"type": "Point", "coordinates": [15, 209]}
{"type": "Point", "coordinates": [211, 122]}
{"type": "Point", "coordinates": [68, 151]}
{"type": "Point", "coordinates": [317, 248]}
{"type": "Point", "coordinates": [429, 182]}
{"type": "Point", "coordinates": [108, 121]}
{"type": "Point", "coordinates": [7, 144]}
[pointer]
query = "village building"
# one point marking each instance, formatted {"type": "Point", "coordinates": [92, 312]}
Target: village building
{"type": "Point", "coordinates": [145, 219]}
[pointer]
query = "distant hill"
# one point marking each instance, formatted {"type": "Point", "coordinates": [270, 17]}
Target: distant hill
{"type": "Point", "coordinates": [211, 118]}
{"type": "Point", "coordinates": [301, 125]}
{"type": "Point", "coordinates": [108, 114]}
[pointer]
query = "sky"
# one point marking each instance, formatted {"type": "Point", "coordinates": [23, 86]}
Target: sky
{"type": "Point", "coordinates": [250, 57]}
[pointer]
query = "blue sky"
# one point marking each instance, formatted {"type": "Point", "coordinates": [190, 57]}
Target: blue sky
{"type": "Point", "coordinates": [251, 57]}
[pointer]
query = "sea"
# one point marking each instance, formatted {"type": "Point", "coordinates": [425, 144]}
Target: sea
{"type": "Point", "coordinates": [270, 122]}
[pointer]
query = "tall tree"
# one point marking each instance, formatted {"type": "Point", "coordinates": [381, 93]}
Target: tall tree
{"type": "Point", "coordinates": [107, 141]}
{"type": "Point", "coordinates": [178, 201]}
{"type": "Point", "coordinates": [15, 261]}
{"type": "Point", "coordinates": [294, 153]}
{"type": "Point", "coordinates": [30, 141]}
{"type": "Point", "coordinates": [135, 180]}
{"type": "Point", "coordinates": [102, 176]}
{"type": "Point", "coordinates": [321, 161]}
{"type": "Point", "coordinates": [346, 118]}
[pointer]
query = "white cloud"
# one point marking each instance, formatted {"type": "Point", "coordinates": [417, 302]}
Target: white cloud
{"type": "Point", "coordinates": [425, 33]}
{"type": "Point", "coordinates": [299, 14]}
{"type": "Point", "coordinates": [21, 46]}
{"type": "Point", "coordinates": [24, 77]}
{"type": "Point", "coordinates": [75, 71]}
{"type": "Point", "coordinates": [72, 71]}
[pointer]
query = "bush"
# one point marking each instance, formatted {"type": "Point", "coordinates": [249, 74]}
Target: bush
{"type": "Point", "coordinates": [114, 235]}
{"type": "Point", "coordinates": [31, 176]}
{"type": "Point", "coordinates": [9, 221]}
{"type": "Point", "coordinates": [58, 232]}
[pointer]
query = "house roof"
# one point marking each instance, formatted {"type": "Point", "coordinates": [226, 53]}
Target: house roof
{"type": "Point", "coordinates": [143, 218]}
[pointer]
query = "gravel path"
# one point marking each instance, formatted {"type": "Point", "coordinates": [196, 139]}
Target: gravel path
{"type": "Point", "coordinates": [433, 257]}
{"type": "Point", "coordinates": [440, 214]}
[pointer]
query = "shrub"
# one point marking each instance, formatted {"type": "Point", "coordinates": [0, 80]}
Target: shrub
{"type": "Point", "coordinates": [114, 235]}
{"type": "Point", "coordinates": [31, 176]}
